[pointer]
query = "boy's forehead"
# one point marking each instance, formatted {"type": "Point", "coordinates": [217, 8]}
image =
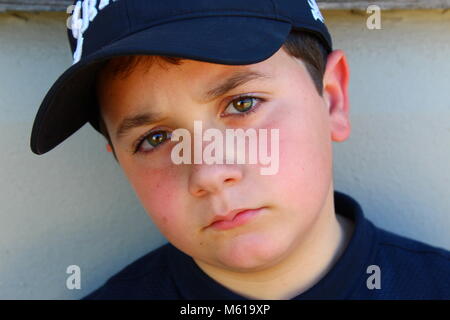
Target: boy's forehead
{"type": "Point", "coordinates": [207, 80]}
{"type": "Point", "coordinates": [206, 74]}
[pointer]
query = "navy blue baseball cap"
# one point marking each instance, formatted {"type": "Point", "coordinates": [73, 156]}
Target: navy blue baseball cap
{"type": "Point", "coordinates": [230, 32]}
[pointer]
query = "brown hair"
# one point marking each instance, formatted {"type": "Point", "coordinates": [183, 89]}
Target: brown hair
{"type": "Point", "coordinates": [299, 44]}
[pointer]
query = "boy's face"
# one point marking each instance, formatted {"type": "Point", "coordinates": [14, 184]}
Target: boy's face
{"type": "Point", "coordinates": [183, 199]}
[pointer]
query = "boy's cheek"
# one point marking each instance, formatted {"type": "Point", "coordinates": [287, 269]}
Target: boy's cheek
{"type": "Point", "coordinates": [159, 192]}
{"type": "Point", "coordinates": [304, 149]}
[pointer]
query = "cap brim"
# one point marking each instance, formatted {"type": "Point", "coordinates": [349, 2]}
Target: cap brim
{"type": "Point", "coordinates": [230, 40]}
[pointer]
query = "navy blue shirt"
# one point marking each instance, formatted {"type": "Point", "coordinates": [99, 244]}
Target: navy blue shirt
{"type": "Point", "coordinates": [408, 269]}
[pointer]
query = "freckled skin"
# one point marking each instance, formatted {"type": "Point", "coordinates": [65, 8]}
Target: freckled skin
{"type": "Point", "coordinates": [182, 199]}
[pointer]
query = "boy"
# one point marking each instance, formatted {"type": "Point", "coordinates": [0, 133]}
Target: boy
{"type": "Point", "coordinates": [143, 70]}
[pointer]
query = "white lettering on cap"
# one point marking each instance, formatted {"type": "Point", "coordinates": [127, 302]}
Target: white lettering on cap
{"type": "Point", "coordinates": [315, 10]}
{"type": "Point", "coordinates": [84, 12]}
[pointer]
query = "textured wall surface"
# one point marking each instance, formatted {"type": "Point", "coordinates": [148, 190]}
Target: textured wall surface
{"type": "Point", "coordinates": [74, 205]}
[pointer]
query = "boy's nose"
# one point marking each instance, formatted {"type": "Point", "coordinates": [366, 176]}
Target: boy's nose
{"type": "Point", "coordinates": [213, 178]}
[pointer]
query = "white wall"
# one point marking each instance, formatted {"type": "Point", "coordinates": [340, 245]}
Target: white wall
{"type": "Point", "coordinates": [74, 205]}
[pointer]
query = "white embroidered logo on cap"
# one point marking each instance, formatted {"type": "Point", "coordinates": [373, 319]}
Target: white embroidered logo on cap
{"type": "Point", "coordinates": [84, 12]}
{"type": "Point", "coordinates": [315, 10]}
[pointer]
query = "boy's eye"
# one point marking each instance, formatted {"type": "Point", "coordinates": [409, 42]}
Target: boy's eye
{"type": "Point", "coordinates": [244, 105]}
{"type": "Point", "coordinates": [152, 140]}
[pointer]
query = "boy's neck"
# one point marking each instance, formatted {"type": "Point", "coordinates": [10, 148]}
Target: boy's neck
{"type": "Point", "coordinates": [307, 264]}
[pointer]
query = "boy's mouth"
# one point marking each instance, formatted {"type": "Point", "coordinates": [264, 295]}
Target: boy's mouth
{"type": "Point", "coordinates": [233, 219]}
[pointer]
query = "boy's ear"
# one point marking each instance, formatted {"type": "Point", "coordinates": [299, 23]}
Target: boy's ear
{"type": "Point", "coordinates": [335, 87]}
{"type": "Point", "coordinates": [109, 148]}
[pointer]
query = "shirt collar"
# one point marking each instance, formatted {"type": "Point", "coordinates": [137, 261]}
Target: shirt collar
{"type": "Point", "coordinates": [347, 272]}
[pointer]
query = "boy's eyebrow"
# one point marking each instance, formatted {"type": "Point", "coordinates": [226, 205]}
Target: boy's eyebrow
{"type": "Point", "coordinates": [139, 120]}
{"type": "Point", "coordinates": [235, 80]}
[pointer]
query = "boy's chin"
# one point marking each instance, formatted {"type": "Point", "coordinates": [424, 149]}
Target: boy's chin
{"type": "Point", "coordinates": [250, 256]}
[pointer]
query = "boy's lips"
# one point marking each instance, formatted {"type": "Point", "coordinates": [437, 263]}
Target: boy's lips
{"type": "Point", "coordinates": [233, 218]}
